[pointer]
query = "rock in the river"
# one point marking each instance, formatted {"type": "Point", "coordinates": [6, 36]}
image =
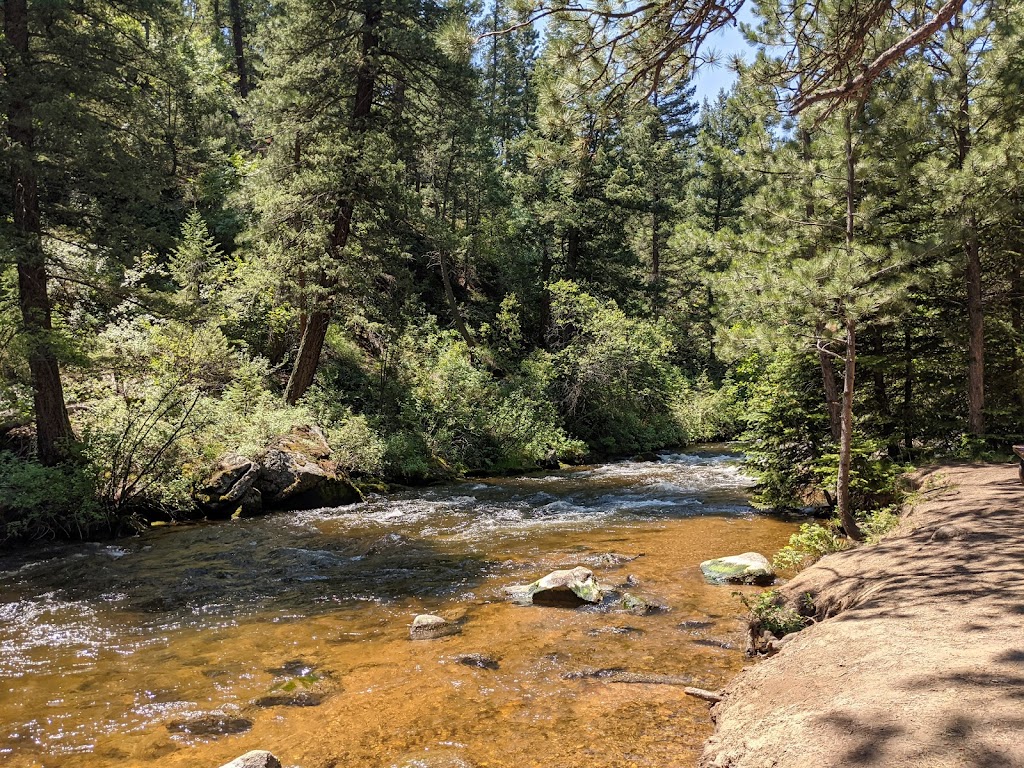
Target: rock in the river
{"type": "Point", "coordinates": [297, 473]}
{"type": "Point", "coordinates": [429, 627]}
{"type": "Point", "coordinates": [294, 472]}
{"type": "Point", "coordinates": [748, 568]}
{"type": "Point", "coordinates": [210, 725]}
{"type": "Point", "coordinates": [610, 559]}
{"type": "Point", "coordinates": [301, 699]}
{"type": "Point", "coordinates": [640, 606]}
{"type": "Point", "coordinates": [258, 758]}
{"type": "Point", "coordinates": [478, 660]}
{"type": "Point", "coordinates": [560, 588]}
{"type": "Point", "coordinates": [616, 675]}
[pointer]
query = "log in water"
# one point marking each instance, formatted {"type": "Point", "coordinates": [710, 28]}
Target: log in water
{"type": "Point", "coordinates": [290, 633]}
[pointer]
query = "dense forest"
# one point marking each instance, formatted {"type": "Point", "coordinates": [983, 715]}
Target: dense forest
{"type": "Point", "coordinates": [464, 237]}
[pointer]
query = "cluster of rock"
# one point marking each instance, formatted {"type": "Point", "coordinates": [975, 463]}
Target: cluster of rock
{"type": "Point", "coordinates": [293, 472]}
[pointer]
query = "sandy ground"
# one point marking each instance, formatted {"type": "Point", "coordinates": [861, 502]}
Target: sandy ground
{"type": "Point", "coordinates": [922, 660]}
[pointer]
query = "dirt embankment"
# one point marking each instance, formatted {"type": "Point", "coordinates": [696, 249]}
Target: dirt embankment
{"type": "Point", "coordinates": [921, 664]}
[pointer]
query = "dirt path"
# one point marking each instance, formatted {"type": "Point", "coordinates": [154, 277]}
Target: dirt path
{"type": "Point", "coordinates": [924, 664]}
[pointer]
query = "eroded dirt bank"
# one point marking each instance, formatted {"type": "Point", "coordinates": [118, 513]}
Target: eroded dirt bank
{"type": "Point", "coordinates": [922, 662]}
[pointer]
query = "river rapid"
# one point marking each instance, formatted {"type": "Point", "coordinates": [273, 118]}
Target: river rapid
{"type": "Point", "coordinates": [189, 646]}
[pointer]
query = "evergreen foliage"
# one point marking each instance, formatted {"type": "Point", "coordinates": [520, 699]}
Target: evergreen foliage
{"type": "Point", "coordinates": [457, 242]}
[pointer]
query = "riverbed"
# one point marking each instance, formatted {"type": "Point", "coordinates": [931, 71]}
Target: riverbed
{"type": "Point", "coordinates": [191, 645]}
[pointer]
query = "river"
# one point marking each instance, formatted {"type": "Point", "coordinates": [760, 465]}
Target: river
{"type": "Point", "coordinates": [188, 646]}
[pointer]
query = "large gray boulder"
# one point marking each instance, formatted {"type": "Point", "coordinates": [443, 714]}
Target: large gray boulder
{"type": "Point", "coordinates": [748, 568]}
{"type": "Point", "coordinates": [294, 472]}
{"type": "Point", "coordinates": [559, 588]}
{"type": "Point", "coordinates": [258, 758]}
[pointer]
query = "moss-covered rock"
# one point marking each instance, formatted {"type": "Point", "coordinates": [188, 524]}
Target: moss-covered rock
{"type": "Point", "coordinates": [748, 568]}
{"type": "Point", "coordinates": [569, 588]}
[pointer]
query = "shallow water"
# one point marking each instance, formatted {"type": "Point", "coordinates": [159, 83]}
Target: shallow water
{"type": "Point", "coordinates": [189, 646]}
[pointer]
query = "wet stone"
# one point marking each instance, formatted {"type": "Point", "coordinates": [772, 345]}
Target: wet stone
{"type": "Point", "coordinates": [293, 668]}
{"type": "Point", "coordinates": [478, 660]}
{"type": "Point", "coordinates": [303, 699]}
{"type": "Point", "coordinates": [621, 630]}
{"type": "Point", "coordinates": [210, 725]}
{"type": "Point", "coordinates": [691, 625]}
{"type": "Point", "coordinates": [711, 642]}
{"type": "Point", "coordinates": [258, 758]}
{"type": "Point", "coordinates": [429, 627]}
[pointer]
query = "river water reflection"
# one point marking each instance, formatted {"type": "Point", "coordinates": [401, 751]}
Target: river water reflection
{"type": "Point", "coordinates": [189, 646]}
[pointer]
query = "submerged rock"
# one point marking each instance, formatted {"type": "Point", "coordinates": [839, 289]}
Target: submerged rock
{"type": "Point", "coordinates": [617, 675]}
{"type": "Point", "coordinates": [478, 660]}
{"type": "Point", "coordinates": [568, 588]}
{"type": "Point", "coordinates": [617, 630]}
{"type": "Point", "coordinates": [610, 559]}
{"type": "Point", "coordinates": [429, 627]}
{"type": "Point", "coordinates": [210, 725]}
{"type": "Point", "coordinates": [641, 606]}
{"type": "Point", "coordinates": [303, 699]}
{"type": "Point", "coordinates": [258, 758]}
{"type": "Point", "coordinates": [748, 568]}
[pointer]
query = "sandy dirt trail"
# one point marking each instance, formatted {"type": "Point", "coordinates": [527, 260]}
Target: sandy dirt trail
{"type": "Point", "coordinates": [922, 661]}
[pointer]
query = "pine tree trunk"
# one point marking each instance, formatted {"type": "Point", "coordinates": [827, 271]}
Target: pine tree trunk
{"type": "Point", "coordinates": [828, 373]}
{"type": "Point", "coordinates": [312, 343]}
{"type": "Point", "coordinates": [976, 333]}
{"type": "Point", "coordinates": [572, 252]}
{"type": "Point", "coordinates": [975, 307]}
{"type": "Point", "coordinates": [843, 505]}
{"type": "Point", "coordinates": [308, 357]}
{"type": "Point", "coordinates": [828, 378]}
{"type": "Point", "coordinates": [453, 305]}
{"type": "Point", "coordinates": [908, 393]}
{"type": "Point", "coordinates": [53, 427]}
{"type": "Point", "coordinates": [238, 41]}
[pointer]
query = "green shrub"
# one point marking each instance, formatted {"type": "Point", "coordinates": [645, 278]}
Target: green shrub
{"type": "Point", "coordinates": [878, 522]}
{"type": "Point", "coordinates": [770, 612]}
{"type": "Point", "coordinates": [38, 502]}
{"type": "Point", "coordinates": [615, 384]}
{"type": "Point", "coordinates": [812, 542]}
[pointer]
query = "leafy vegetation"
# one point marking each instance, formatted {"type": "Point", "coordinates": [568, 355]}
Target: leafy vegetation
{"type": "Point", "coordinates": [459, 241]}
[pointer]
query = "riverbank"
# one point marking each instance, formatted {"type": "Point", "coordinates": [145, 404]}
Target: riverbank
{"type": "Point", "coordinates": [920, 661]}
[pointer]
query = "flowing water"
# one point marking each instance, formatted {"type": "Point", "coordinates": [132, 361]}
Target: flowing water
{"type": "Point", "coordinates": [188, 646]}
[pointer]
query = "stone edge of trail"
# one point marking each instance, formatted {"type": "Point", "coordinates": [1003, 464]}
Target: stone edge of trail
{"type": "Point", "coordinates": [918, 658]}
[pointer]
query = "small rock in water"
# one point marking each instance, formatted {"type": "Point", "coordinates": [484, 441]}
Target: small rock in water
{"type": "Point", "coordinates": [478, 660]}
{"type": "Point", "coordinates": [258, 758]}
{"type": "Point", "coordinates": [568, 588]}
{"type": "Point", "coordinates": [748, 568]}
{"type": "Point", "coordinates": [429, 627]}
{"type": "Point", "coordinates": [691, 625]}
{"type": "Point", "coordinates": [293, 668]}
{"type": "Point", "coordinates": [618, 675]}
{"type": "Point", "coordinates": [615, 631]}
{"type": "Point", "coordinates": [210, 725]}
{"type": "Point", "coordinates": [610, 559]}
{"type": "Point", "coordinates": [711, 642]}
{"type": "Point", "coordinates": [303, 699]}
{"type": "Point", "coordinates": [641, 606]}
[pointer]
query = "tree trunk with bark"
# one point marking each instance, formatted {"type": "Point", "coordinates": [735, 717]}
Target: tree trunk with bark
{"type": "Point", "coordinates": [238, 41]}
{"type": "Point", "coordinates": [54, 435]}
{"type": "Point", "coordinates": [844, 507]}
{"type": "Point", "coordinates": [312, 342]}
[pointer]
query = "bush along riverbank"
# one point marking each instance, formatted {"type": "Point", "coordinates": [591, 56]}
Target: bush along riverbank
{"type": "Point", "coordinates": [175, 422]}
{"type": "Point", "coordinates": [902, 653]}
